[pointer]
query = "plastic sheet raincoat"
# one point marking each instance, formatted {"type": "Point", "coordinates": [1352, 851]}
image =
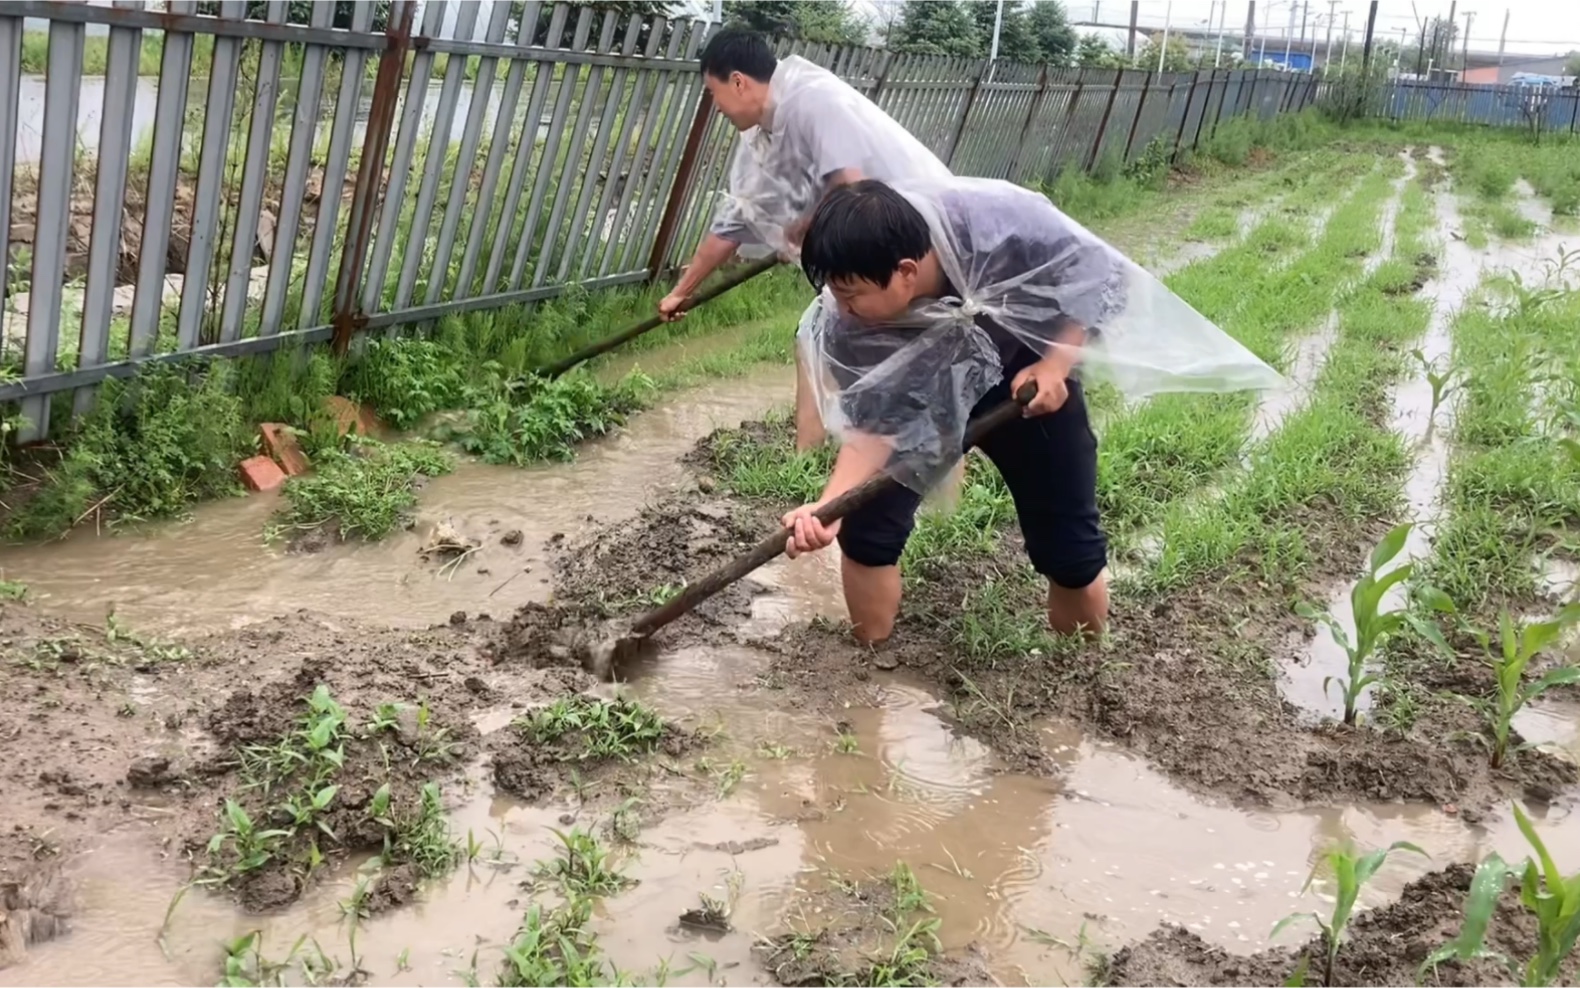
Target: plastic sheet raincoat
{"type": "Point", "coordinates": [1020, 274]}
{"type": "Point", "coordinates": [816, 124]}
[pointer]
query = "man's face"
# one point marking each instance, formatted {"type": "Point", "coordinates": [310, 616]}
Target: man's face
{"type": "Point", "coordinates": [736, 99]}
{"type": "Point", "coordinates": [870, 302]}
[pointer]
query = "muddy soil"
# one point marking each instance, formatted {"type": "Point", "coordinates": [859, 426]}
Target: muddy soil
{"type": "Point", "coordinates": [106, 728]}
{"type": "Point", "coordinates": [1166, 685]}
{"type": "Point", "coordinates": [1384, 946]}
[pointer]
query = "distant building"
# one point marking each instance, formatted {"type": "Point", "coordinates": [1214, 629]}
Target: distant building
{"type": "Point", "coordinates": [1297, 61]}
{"type": "Point", "coordinates": [1503, 75]}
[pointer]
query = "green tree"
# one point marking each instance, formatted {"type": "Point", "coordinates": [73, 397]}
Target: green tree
{"type": "Point", "coordinates": [1176, 56]}
{"type": "Point", "coordinates": [1572, 67]}
{"type": "Point", "coordinates": [301, 11]}
{"type": "Point", "coordinates": [937, 27]}
{"type": "Point", "coordinates": [1016, 40]}
{"type": "Point", "coordinates": [828, 22]}
{"type": "Point", "coordinates": [1094, 53]}
{"type": "Point", "coordinates": [1055, 37]}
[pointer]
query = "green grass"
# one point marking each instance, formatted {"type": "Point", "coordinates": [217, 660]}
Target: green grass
{"type": "Point", "coordinates": [1512, 493]}
{"type": "Point", "coordinates": [592, 728]}
{"type": "Point", "coordinates": [364, 492]}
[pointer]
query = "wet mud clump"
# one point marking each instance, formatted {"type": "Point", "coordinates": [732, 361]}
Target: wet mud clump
{"type": "Point", "coordinates": [308, 782]}
{"type": "Point", "coordinates": [1385, 946]}
{"type": "Point", "coordinates": [873, 932]}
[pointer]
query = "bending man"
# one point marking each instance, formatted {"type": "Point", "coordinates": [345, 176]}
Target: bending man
{"type": "Point", "coordinates": [803, 131]}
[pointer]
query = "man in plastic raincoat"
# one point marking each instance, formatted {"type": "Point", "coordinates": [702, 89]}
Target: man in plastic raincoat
{"type": "Point", "coordinates": [803, 132]}
{"type": "Point", "coordinates": [939, 300]}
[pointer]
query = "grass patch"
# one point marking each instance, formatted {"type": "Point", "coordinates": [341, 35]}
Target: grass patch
{"type": "Point", "coordinates": [364, 492]}
{"type": "Point", "coordinates": [585, 727]}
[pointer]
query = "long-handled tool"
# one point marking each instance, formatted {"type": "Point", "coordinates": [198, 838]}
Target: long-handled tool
{"type": "Point", "coordinates": [600, 656]}
{"type": "Point", "coordinates": [608, 343]}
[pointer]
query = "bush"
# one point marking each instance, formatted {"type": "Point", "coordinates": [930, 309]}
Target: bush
{"type": "Point", "coordinates": [366, 491]}
{"type": "Point", "coordinates": [526, 419]}
{"type": "Point", "coordinates": [152, 446]}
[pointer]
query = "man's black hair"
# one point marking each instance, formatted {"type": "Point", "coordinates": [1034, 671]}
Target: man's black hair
{"type": "Point", "coordinates": [739, 49]}
{"type": "Point", "coordinates": [863, 230]}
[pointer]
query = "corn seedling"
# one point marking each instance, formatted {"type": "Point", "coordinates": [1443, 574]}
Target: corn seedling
{"type": "Point", "coordinates": [1516, 647]}
{"type": "Point", "coordinates": [1544, 890]}
{"type": "Point", "coordinates": [583, 866]}
{"type": "Point", "coordinates": [246, 967]}
{"type": "Point", "coordinates": [251, 848]}
{"type": "Point", "coordinates": [1442, 382]}
{"type": "Point", "coordinates": [1372, 623]}
{"type": "Point", "coordinates": [422, 837]}
{"type": "Point", "coordinates": [1350, 873]}
{"type": "Point", "coordinates": [553, 948]}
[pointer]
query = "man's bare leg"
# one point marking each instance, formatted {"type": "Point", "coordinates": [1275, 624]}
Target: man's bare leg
{"type": "Point", "coordinates": [1084, 610]}
{"type": "Point", "coordinates": [872, 595]}
{"type": "Point", "coordinates": [809, 432]}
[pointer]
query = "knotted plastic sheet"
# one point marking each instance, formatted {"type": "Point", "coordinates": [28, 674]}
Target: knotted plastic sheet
{"type": "Point", "coordinates": [1020, 274]}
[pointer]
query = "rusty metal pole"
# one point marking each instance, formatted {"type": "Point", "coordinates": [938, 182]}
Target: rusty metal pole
{"type": "Point", "coordinates": [677, 192]}
{"type": "Point", "coordinates": [348, 317]}
{"type": "Point", "coordinates": [1102, 125]}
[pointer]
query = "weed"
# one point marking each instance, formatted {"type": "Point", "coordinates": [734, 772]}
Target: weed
{"type": "Point", "coordinates": [846, 743]}
{"type": "Point", "coordinates": [421, 837]}
{"type": "Point", "coordinates": [152, 446]}
{"type": "Point", "coordinates": [524, 420]}
{"type": "Point", "coordinates": [1373, 625]}
{"type": "Point", "coordinates": [583, 866]}
{"type": "Point", "coordinates": [1350, 873]}
{"type": "Point", "coordinates": [366, 492]}
{"type": "Point", "coordinates": [553, 947]}
{"type": "Point", "coordinates": [1544, 890]}
{"type": "Point", "coordinates": [12, 590]}
{"type": "Point", "coordinates": [588, 727]}
{"type": "Point", "coordinates": [625, 824]}
{"type": "Point", "coordinates": [731, 777]}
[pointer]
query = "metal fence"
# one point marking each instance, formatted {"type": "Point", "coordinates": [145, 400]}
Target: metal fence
{"type": "Point", "coordinates": [1546, 110]}
{"type": "Point", "coordinates": [277, 183]}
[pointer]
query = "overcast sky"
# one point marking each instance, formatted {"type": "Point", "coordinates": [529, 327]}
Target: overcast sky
{"type": "Point", "coordinates": [1536, 27]}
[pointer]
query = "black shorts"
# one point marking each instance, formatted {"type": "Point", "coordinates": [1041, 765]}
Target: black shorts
{"type": "Point", "coordinates": [1049, 464]}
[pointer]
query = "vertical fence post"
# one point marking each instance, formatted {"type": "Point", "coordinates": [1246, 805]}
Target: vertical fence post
{"type": "Point", "coordinates": [1190, 101]}
{"type": "Point", "coordinates": [1102, 125]}
{"type": "Point", "coordinates": [1135, 122]}
{"type": "Point", "coordinates": [1031, 115]}
{"type": "Point", "coordinates": [887, 59]}
{"type": "Point", "coordinates": [349, 317]}
{"type": "Point", "coordinates": [965, 116]}
{"type": "Point", "coordinates": [677, 191]}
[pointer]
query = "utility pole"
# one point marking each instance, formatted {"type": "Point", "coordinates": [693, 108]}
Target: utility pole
{"type": "Point", "coordinates": [1464, 54]}
{"type": "Point", "coordinates": [1130, 43]}
{"type": "Point", "coordinates": [1371, 27]}
{"type": "Point", "coordinates": [1223, 15]}
{"type": "Point", "coordinates": [998, 22]}
{"type": "Point", "coordinates": [1289, 36]}
{"type": "Point", "coordinates": [1305, 15]}
{"type": "Point", "coordinates": [1327, 46]}
{"type": "Point", "coordinates": [1249, 45]}
{"type": "Point", "coordinates": [1344, 54]}
{"type": "Point", "coordinates": [1444, 56]}
{"type": "Point", "coordinates": [1163, 49]}
{"type": "Point", "coordinates": [1504, 37]}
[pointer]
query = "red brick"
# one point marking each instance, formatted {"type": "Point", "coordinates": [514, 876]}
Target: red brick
{"type": "Point", "coordinates": [279, 441]}
{"type": "Point", "coordinates": [350, 416]}
{"type": "Point", "coordinates": [259, 473]}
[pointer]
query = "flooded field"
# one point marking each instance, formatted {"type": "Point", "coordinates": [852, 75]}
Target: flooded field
{"type": "Point", "coordinates": [231, 760]}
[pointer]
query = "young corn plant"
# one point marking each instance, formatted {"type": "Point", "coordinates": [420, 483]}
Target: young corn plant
{"type": "Point", "coordinates": [1544, 890]}
{"type": "Point", "coordinates": [1350, 873]}
{"type": "Point", "coordinates": [1516, 647]}
{"type": "Point", "coordinates": [1372, 623]}
{"type": "Point", "coordinates": [1443, 382]}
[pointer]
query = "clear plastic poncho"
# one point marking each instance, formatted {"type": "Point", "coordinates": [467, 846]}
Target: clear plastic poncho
{"type": "Point", "coordinates": [816, 125]}
{"type": "Point", "coordinates": [1021, 275]}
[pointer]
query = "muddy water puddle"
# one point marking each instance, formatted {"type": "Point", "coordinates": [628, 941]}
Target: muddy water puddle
{"type": "Point", "coordinates": [1027, 868]}
{"type": "Point", "coordinates": [215, 572]}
